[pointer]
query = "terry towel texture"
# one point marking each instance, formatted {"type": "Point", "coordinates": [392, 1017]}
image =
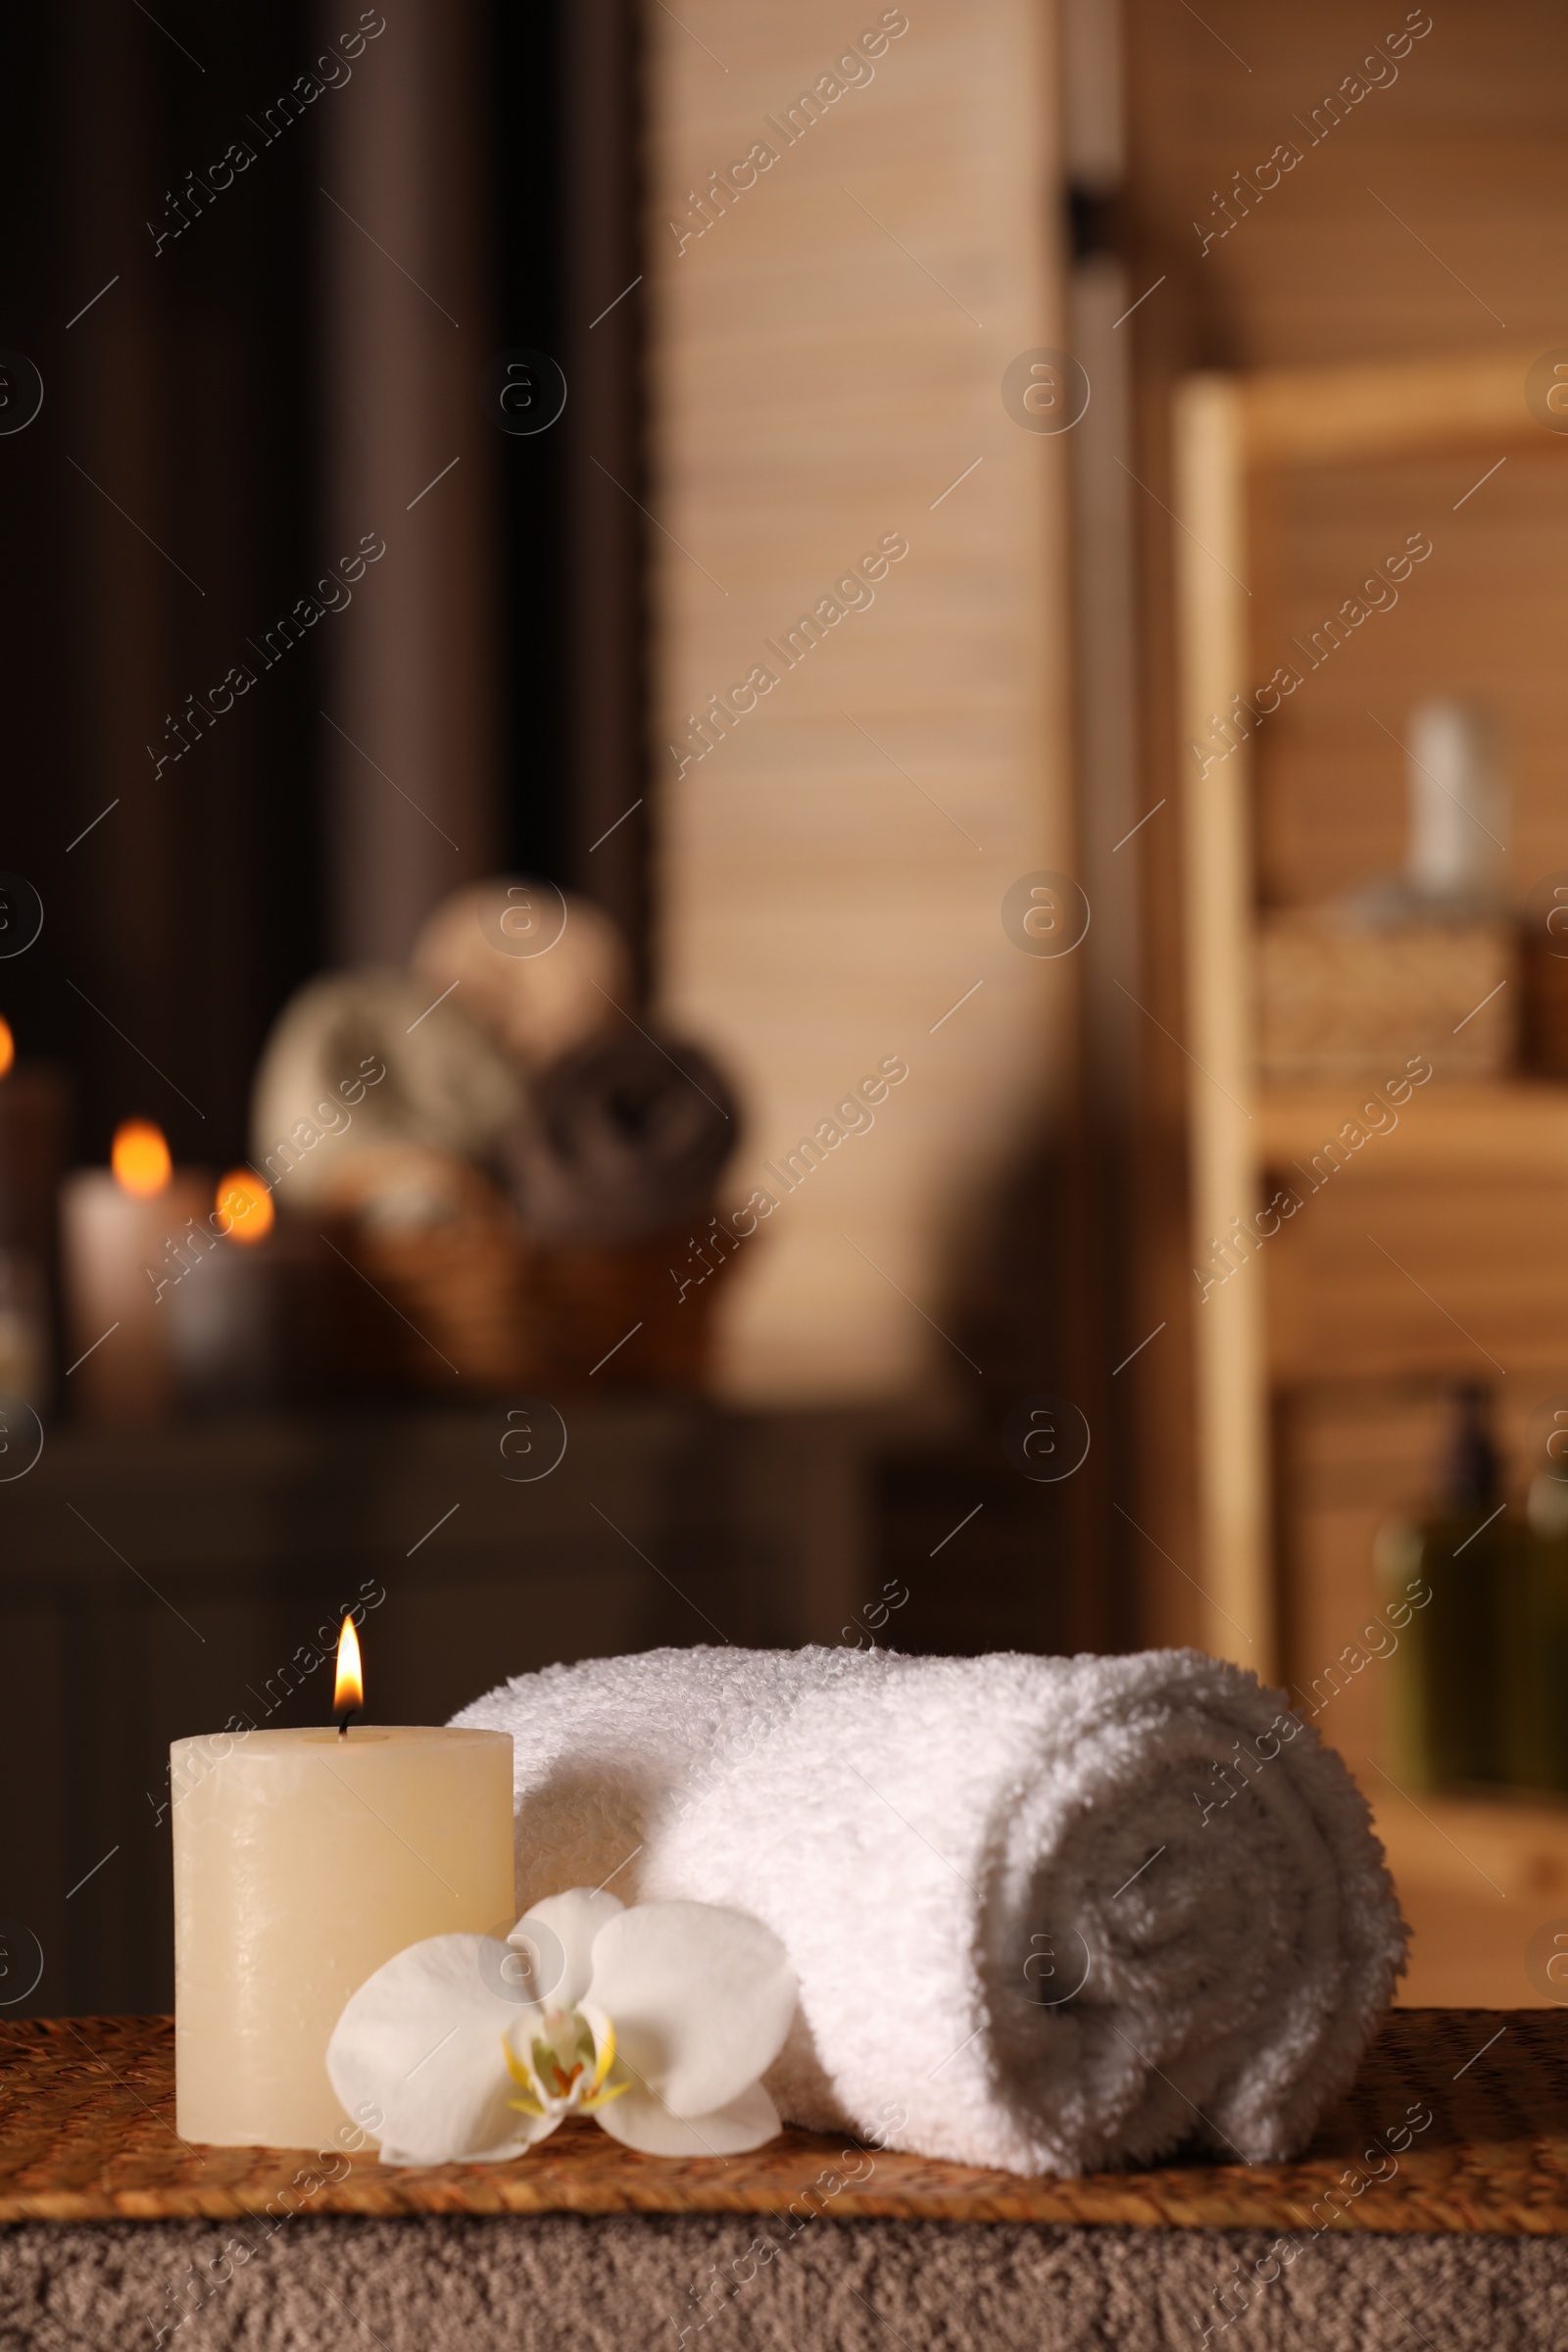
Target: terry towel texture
{"type": "Point", "coordinates": [1028, 1930]}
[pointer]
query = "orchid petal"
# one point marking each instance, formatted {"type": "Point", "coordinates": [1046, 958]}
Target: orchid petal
{"type": "Point", "coordinates": [390, 2153]}
{"type": "Point", "coordinates": [418, 2049]}
{"type": "Point", "coordinates": [558, 1933]}
{"type": "Point", "coordinates": [702, 1998]}
{"type": "Point", "coordinates": [641, 2121]}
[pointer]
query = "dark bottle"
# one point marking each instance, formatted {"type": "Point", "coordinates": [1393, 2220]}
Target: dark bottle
{"type": "Point", "coordinates": [1458, 1570]}
{"type": "Point", "coordinates": [1534, 1637]}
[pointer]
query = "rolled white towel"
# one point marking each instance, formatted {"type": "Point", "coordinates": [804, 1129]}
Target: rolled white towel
{"type": "Point", "coordinates": [541, 969]}
{"type": "Point", "coordinates": [1030, 1928]}
{"type": "Point", "coordinates": [359, 1059]}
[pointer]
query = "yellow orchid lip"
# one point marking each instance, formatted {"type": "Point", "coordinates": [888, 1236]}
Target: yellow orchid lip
{"type": "Point", "coordinates": [601, 2098]}
{"type": "Point", "coordinates": [595, 2095]}
{"type": "Point", "coordinates": [574, 2094]}
{"type": "Point", "coordinates": [522, 2075]}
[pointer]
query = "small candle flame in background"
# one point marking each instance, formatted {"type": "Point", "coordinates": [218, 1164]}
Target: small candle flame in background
{"type": "Point", "coordinates": [245, 1203]}
{"type": "Point", "coordinates": [348, 1692]}
{"type": "Point", "coordinates": [140, 1157]}
{"type": "Point", "coordinates": [8, 1047]}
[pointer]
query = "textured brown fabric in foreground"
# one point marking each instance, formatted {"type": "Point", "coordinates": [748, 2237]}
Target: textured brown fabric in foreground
{"type": "Point", "coordinates": [560, 2282]}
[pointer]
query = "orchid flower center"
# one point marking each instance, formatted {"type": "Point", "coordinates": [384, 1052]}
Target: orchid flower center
{"type": "Point", "coordinates": [566, 2070]}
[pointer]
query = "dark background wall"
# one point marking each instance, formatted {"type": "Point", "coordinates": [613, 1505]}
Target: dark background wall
{"type": "Point", "coordinates": [171, 501]}
{"type": "Point", "coordinates": [158, 512]}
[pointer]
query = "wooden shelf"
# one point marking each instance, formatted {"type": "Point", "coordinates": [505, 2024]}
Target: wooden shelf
{"type": "Point", "coordinates": [1477, 1877]}
{"type": "Point", "coordinates": [1311, 416]}
{"type": "Point", "coordinates": [1342, 1293]}
{"type": "Point", "coordinates": [1520, 1843]}
{"type": "Point", "coordinates": [1510, 1130]}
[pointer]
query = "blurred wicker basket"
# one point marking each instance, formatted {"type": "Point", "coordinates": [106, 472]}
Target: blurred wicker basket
{"type": "Point", "coordinates": [1336, 1004]}
{"type": "Point", "coordinates": [487, 1309]}
{"type": "Point", "coordinates": [442, 1286]}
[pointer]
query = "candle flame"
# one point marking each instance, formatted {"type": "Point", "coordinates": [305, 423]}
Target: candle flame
{"type": "Point", "coordinates": [140, 1157]}
{"type": "Point", "coordinates": [246, 1207]}
{"type": "Point", "coordinates": [8, 1047]}
{"type": "Point", "coordinates": [348, 1692]}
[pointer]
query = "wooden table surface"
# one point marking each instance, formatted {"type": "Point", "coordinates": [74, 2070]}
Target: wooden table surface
{"type": "Point", "coordinates": [88, 2133]}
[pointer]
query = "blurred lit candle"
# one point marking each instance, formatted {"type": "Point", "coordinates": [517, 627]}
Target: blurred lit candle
{"type": "Point", "coordinates": [227, 1310]}
{"type": "Point", "coordinates": [121, 1228]}
{"type": "Point", "coordinates": [33, 1102]}
{"type": "Point", "coordinates": [303, 1861]}
{"type": "Point", "coordinates": [33, 1099]}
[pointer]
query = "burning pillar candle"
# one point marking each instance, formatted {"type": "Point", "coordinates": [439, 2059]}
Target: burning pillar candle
{"type": "Point", "coordinates": [228, 1313]}
{"type": "Point", "coordinates": [119, 1225]}
{"type": "Point", "coordinates": [33, 1104]}
{"type": "Point", "coordinates": [303, 1861]}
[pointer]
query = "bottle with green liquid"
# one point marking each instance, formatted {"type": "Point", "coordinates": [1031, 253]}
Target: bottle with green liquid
{"type": "Point", "coordinates": [1535, 1633]}
{"type": "Point", "coordinates": [1453, 1673]}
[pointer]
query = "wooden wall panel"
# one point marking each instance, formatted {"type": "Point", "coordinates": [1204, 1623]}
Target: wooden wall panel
{"type": "Point", "coordinates": [1466, 147]}
{"type": "Point", "coordinates": [1464, 1280]}
{"type": "Point", "coordinates": [826, 360]}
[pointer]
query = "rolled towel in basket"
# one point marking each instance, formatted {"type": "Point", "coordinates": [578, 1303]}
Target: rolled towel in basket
{"type": "Point", "coordinates": [540, 969]}
{"type": "Point", "coordinates": [357, 1060]}
{"type": "Point", "coordinates": [621, 1138]}
{"type": "Point", "coordinates": [1030, 1926]}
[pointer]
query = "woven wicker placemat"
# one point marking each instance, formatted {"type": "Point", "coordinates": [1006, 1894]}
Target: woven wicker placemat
{"type": "Point", "coordinates": [88, 2133]}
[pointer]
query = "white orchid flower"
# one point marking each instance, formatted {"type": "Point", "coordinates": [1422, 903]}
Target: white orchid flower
{"type": "Point", "coordinates": [658, 2021]}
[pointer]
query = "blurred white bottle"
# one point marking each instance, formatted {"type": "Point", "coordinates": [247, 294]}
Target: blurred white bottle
{"type": "Point", "coordinates": [1457, 806]}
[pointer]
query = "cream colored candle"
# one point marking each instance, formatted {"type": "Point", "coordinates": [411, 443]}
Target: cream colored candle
{"type": "Point", "coordinates": [121, 1232]}
{"type": "Point", "coordinates": [303, 1860]}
